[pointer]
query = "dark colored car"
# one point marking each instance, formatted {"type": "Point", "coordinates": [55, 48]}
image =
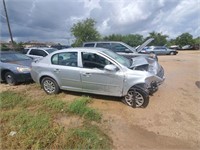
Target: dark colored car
{"type": "Point", "coordinates": [14, 67]}
{"type": "Point", "coordinates": [158, 50]}
{"type": "Point", "coordinates": [59, 47]}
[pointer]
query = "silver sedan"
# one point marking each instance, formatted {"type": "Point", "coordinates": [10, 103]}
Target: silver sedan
{"type": "Point", "coordinates": [94, 70]}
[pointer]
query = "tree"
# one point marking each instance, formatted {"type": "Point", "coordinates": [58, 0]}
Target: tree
{"type": "Point", "coordinates": [185, 39]}
{"type": "Point", "coordinates": [197, 40]}
{"type": "Point", "coordinates": [159, 39]}
{"type": "Point", "coordinates": [85, 31]}
{"type": "Point", "coordinates": [133, 39]}
{"type": "Point", "coordinates": [130, 39]}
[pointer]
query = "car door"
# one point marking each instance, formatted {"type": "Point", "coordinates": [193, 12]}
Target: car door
{"type": "Point", "coordinates": [97, 80]}
{"type": "Point", "coordinates": [65, 68]}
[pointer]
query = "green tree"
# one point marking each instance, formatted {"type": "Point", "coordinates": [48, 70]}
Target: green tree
{"type": "Point", "coordinates": [130, 39]}
{"type": "Point", "coordinates": [133, 39]}
{"type": "Point", "coordinates": [185, 39]}
{"type": "Point", "coordinates": [159, 38]}
{"type": "Point", "coordinates": [85, 31]}
{"type": "Point", "coordinates": [197, 40]}
{"type": "Point", "coordinates": [3, 47]}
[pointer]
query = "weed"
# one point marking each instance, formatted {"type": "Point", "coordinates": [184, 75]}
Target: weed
{"type": "Point", "coordinates": [10, 99]}
{"type": "Point", "coordinates": [33, 131]}
{"type": "Point", "coordinates": [88, 137]}
{"type": "Point", "coordinates": [79, 107]}
{"type": "Point", "coordinates": [55, 104]}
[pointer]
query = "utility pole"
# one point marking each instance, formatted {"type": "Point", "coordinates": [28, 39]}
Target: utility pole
{"type": "Point", "coordinates": [4, 4]}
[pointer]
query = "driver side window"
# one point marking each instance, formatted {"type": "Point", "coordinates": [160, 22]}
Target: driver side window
{"type": "Point", "coordinates": [65, 59]}
{"type": "Point", "coordinates": [91, 60]}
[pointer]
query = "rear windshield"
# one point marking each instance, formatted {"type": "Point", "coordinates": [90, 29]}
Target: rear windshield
{"type": "Point", "coordinates": [51, 50]}
{"type": "Point", "coordinates": [89, 45]}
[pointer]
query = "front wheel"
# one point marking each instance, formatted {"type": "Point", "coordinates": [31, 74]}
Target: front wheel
{"type": "Point", "coordinates": [172, 53]}
{"type": "Point", "coordinates": [50, 86]}
{"type": "Point", "coordinates": [136, 98]}
{"type": "Point", "coordinates": [10, 78]}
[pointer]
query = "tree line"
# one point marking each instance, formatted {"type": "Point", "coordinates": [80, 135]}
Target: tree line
{"type": "Point", "coordinates": [85, 31]}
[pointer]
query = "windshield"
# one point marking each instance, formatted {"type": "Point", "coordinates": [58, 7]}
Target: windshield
{"type": "Point", "coordinates": [51, 50]}
{"type": "Point", "coordinates": [9, 57]}
{"type": "Point", "coordinates": [120, 59]}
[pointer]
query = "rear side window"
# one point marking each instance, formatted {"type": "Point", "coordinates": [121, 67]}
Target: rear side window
{"type": "Point", "coordinates": [103, 45]}
{"type": "Point", "coordinates": [65, 59]}
{"type": "Point", "coordinates": [38, 52]}
{"type": "Point", "coordinates": [89, 45]}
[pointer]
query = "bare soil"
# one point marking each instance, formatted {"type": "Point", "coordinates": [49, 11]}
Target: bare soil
{"type": "Point", "coordinates": [170, 121]}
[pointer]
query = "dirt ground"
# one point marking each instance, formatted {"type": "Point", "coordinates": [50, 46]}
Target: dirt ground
{"type": "Point", "coordinates": [171, 120]}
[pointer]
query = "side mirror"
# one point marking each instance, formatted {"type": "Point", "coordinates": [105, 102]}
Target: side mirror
{"type": "Point", "coordinates": [111, 68]}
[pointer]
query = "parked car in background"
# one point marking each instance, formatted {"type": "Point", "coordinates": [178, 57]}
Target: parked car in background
{"type": "Point", "coordinates": [15, 67]}
{"type": "Point", "coordinates": [38, 52]}
{"type": "Point", "coordinates": [59, 47]}
{"type": "Point", "coordinates": [121, 48]}
{"type": "Point", "coordinates": [97, 71]}
{"type": "Point", "coordinates": [158, 50]}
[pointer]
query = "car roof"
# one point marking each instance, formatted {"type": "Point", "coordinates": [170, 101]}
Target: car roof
{"type": "Point", "coordinates": [44, 48]}
{"type": "Point", "coordinates": [83, 49]}
{"type": "Point", "coordinates": [103, 42]}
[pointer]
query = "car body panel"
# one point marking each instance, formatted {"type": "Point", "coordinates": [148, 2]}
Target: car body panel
{"type": "Point", "coordinates": [91, 80]}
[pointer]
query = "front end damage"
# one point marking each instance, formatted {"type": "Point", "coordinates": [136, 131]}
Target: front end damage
{"type": "Point", "coordinates": [152, 66]}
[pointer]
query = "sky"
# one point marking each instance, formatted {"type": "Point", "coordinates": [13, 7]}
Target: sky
{"type": "Point", "coordinates": [51, 20]}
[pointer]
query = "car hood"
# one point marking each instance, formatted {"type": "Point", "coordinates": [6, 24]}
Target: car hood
{"type": "Point", "coordinates": [140, 47]}
{"type": "Point", "coordinates": [146, 64]}
{"type": "Point", "coordinates": [26, 63]}
{"type": "Point", "coordinates": [138, 61]}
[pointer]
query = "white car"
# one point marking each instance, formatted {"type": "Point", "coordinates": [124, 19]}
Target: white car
{"type": "Point", "coordinates": [38, 52]}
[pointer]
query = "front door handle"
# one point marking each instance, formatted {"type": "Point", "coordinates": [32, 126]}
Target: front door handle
{"type": "Point", "coordinates": [86, 74]}
{"type": "Point", "coordinates": [56, 70]}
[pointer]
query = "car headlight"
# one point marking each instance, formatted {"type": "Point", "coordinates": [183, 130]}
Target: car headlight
{"type": "Point", "coordinates": [23, 69]}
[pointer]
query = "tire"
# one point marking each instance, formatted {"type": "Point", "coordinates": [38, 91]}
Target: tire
{"type": "Point", "coordinates": [50, 86]}
{"type": "Point", "coordinates": [136, 98]}
{"type": "Point", "coordinates": [10, 78]}
{"type": "Point", "coordinates": [172, 53]}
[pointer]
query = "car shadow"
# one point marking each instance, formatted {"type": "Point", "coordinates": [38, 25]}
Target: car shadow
{"type": "Point", "coordinates": [95, 96]}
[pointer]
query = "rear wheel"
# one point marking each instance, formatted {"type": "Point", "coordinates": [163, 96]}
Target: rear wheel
{"type": "Point", "coordinates": [10, 78]}
{"type": "Point", "coordinates": [136, 98]}
{"type": "Point", "coordinates": [50, 86]}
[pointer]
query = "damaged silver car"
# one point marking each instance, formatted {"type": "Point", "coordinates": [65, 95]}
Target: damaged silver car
{"type": "Point", "coordinates": [97, 71]}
